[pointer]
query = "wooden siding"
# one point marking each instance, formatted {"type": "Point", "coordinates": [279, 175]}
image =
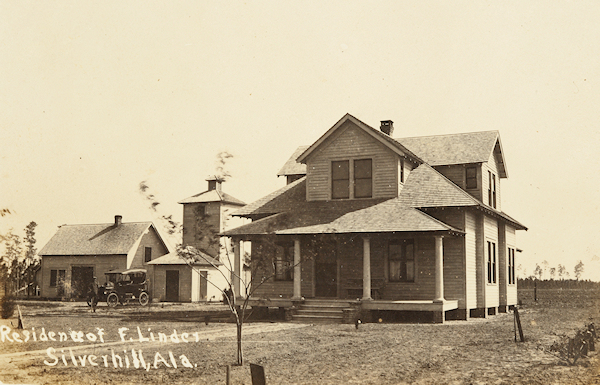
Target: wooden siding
{"type": "Point", "coordinates": [492, 166]}
{"type": "Point", "coordinates": [511, 241]}
{"type": "Point", "coordinates": [471, 260]}
{"type": "Point", "coordinates": [191, 228]}
{"type": "Point", "coordinates": [350, 142]}
{"type": "Point", "coordinates": [481, 261]}
{"type": "Point", "coordinates": [101, 265]}
{"type": "Point", "coordinates": [456, 173]}
{"type": "Point", "coordinates": [159, 282]}
{"type": "Point", "coordinates": [492, 293]}
{"type": "Point", "coordinates": [502, 265]}
{"type": "Point", "coordinates": [150, 239]}
{"type": "Point", "coordinates": [454, 270]}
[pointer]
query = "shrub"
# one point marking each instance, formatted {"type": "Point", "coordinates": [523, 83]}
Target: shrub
{"type": "Point", "coordinates": [7, 305]}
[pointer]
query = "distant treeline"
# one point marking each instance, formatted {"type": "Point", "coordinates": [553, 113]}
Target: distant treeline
{"type": "Point", "coordinates": [530, 283]}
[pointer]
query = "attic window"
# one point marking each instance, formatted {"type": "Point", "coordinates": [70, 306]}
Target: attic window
{"type": "Point", "coordinates": [363, 178]}
{"type": "Point", "coordinates": [147, 254]}
{"type": "Point", "coordinates": [340, 179]}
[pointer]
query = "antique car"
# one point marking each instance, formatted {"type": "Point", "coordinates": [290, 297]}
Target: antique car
{"type": "Point", "coordinates": [124, 286]}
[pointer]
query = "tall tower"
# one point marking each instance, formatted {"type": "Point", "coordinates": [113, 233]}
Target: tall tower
{"type": "Point", "coordinates": [205, 215]}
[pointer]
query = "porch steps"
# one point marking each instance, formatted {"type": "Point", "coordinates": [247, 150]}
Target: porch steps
{"type": "Point", "coordinates": [321, 311]}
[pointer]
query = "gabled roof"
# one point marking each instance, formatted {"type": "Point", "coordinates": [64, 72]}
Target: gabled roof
{"type": "Point", "coordinates": [427, 188]}
{"type": "Point", "coordinates": [442, 150]}
{"type": "Point", "coordinates": [174, 259]}
{"type": "Point", "coordinates": [212, 196]}
{"type": "Point", "coordinates": [385, 139]}
{"type": "Point", "coordinates": [292, 166]}
{"type": "Point", "coordinates": [100, 239]}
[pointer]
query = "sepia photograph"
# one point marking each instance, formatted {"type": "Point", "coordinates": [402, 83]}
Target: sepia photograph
{"type": "Point", "coordinates": [299, 192]}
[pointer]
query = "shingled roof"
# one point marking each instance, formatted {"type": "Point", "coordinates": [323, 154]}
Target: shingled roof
{"type": "Point", "coordinates": [212, 196]}
{"type": "Point", "coordinates": [99, 239]}
{"type": "Point", "coordinates": [442, 150]}
{"type": "Point", "coordinates": [292, 166]}
{"type": "Point", "coordinates": [174, 259]}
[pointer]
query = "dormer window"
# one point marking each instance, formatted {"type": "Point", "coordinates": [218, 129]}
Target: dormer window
{"type": "Point", "coordinates": [471, 177]}
{"type": "Point", "coordinates": [363, 178]}
{"type": "Point", "coordinates": [340, 179]}
{"type": "Point", "coordinates": [357, 171]}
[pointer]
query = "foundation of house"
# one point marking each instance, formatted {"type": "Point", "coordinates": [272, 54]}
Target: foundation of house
{"type": "Point", "coordinates": [479, 312]}
{"type": "Point", "coordinates": [457, 314]}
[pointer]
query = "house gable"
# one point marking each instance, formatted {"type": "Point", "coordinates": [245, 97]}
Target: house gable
{"type": "Point", "coordinates": [350, 143]}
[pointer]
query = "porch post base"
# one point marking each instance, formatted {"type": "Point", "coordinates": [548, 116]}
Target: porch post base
{"type": "Point", "coordinates": [480, 312]}
{"type": "Point", "coordinates": [438, 317]}
{"type": "Point", "coordinates": [502, 309]}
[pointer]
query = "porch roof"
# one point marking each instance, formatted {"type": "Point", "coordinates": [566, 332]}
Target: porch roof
{"type": "Point", "coordinates": [375, 216]}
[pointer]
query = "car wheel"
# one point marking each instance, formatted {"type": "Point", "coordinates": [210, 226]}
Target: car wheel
{"type": "Point", "coordinates": [144, 298]}
{"type": "Point", "coordinates": [112, 300]}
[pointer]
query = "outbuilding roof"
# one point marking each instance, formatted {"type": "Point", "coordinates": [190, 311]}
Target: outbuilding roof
{"type": "Point", "coordinates": [98, 239]}
{"type": "Point", "coordinates": [213, 196]}
{"type": "Point", "coordinates": [174, 258]}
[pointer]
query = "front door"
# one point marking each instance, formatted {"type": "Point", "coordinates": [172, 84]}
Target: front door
{"type": "Point", "coordinates": [82, 278]}
{"type": "Point", "coordinates": [326, 270]}
{"type": "Point", "coordinates": [172, 286]}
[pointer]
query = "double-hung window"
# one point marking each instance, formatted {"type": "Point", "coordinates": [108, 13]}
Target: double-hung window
{"type": "Point", "coordinates": [401, 257]}
{"type": "Point", "coordinates": [491, 263]}
{"type": "Point", "coordinates": [284, 263]}
{"type": "Point", "coordinates": [363, 178]}
{"type": "Point", "coordinates": [340, 179]}
{"type": "Point", "coordinates": [352, 179]}
{"type": "Point", "coordinates": [147, 254]}
{"type": "Point", "coordinates": [492, 189]}
{"type": "Point", "coordinates": [511, 266]}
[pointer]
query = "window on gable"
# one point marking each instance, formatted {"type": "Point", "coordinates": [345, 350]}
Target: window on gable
{"type": "Point", "coordinates": [471, 177]}
{"type": "Point", "coordinates": [147, 254]}
{"type": "Point", "coordinates": [401, 257]}
{"type": "Point", "coordinates": [340, 179]}
{"type": "Point", "coordinates": [57, 277]}
{"type": "Point", "coordinates": [284, 263]}
{"type": "Point", "coordinates": [491, 263]}
{"type": "Point", "coordinates": [492, 189]}
{"type": "Point", "coordinates": [401, 170]}
{"type": "Point", "coordinates": [363, 178]}
{"type": "Point", "coordinates": [511, 266]}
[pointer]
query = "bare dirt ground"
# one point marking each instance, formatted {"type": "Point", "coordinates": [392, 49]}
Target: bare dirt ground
{"type": "Point", "coordinates": [478, 351]}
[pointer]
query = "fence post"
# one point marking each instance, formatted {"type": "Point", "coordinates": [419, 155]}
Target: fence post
{"type": "Point", "coordinates": [535, 290]}
{"type": "Point", "coordinates": [258, 374]}
{"type": "Point", "coordinates": [228, 375]}
{"type": "Point", "coordinates": [518, 321]}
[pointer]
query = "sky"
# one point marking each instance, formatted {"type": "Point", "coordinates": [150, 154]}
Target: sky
{"type": "Point", "coordinates": [97, 97]}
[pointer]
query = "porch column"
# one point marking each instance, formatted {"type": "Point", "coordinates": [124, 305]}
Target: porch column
{"type": "Point", "coordinates": [439, 268]}
{"type": "Point", "coordinates": [297, 271]}
{"type": "Point", "coordinates": [237, 267]}
{"type": "Point", "coordinates": [366, 269]}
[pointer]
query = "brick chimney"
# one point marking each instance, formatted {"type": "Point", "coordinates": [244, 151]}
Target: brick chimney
{"type": "Point", "coordinates": [214, 183]}
{"type": "Point", "coordinates": [118, 220]}
{"type": "Point", "coordinates": [387, 127]}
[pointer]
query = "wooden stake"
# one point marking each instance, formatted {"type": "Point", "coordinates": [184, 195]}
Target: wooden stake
{"type": "Point", "coordinates": [518, 321]}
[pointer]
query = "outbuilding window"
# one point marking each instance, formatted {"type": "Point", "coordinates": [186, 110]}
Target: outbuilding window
{"type": "Point", "coordinates": [57, 277]}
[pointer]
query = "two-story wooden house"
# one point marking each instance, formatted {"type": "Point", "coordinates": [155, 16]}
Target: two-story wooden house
{"type": "Point", "coordinates": [380, 224]}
